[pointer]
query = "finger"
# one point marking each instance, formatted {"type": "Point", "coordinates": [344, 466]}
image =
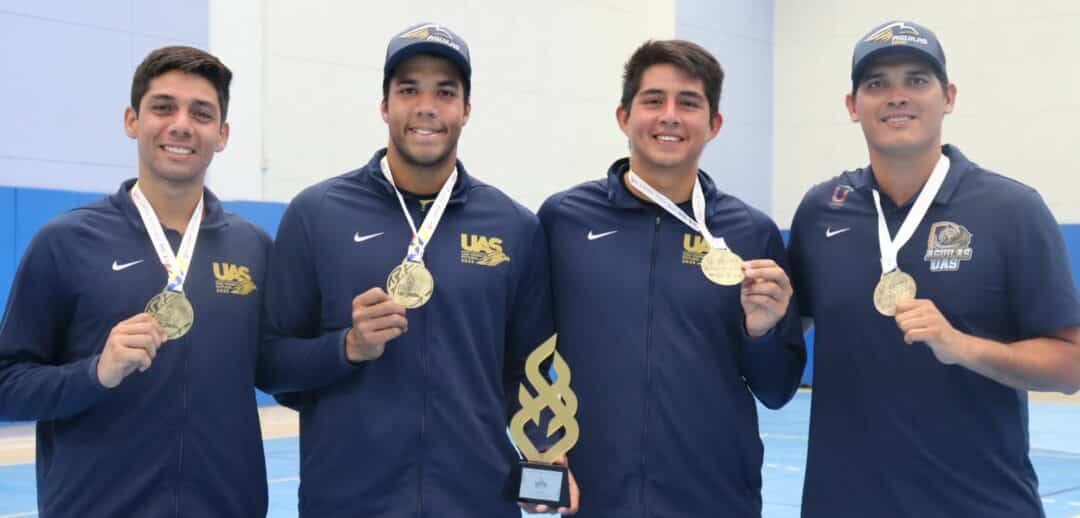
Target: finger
{"type": "Point", "coordinates": [372, 296]}
{"type": "Point", "coordinates": [386, 307]}
{"type": "Point", "coordinates": [139, 328]}
{"type": "Point", "coordinates": [916, 335]}
{"type": "Point", "coordinates": [755, 264]}
{"type": "Point", "coordinates": [774, 274]}
{"type": "Point", "coordinates": [382, 323]}
{"type": "Point", "coordinates": [575, 496]}
{"type": "Point", "coordinates": [910, 305]}
{"type": "Point", "coordinates": [383, 336]}
{"type": "Point", "coordinates": [137, 318]}
{"type": "Point", "coordinates": [768, 288]}
{"type": "Point", "coordinates": [134, 359]}
{"type": "Point", "coordinates": [147, 342]}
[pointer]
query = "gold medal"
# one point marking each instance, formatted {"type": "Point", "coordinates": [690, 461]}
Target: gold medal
{"type": "Point", "coordinates": [723, 267]}
{"type": "Point", "coordinates": [410, 284]}
{"type": "Point", "coordinates": [174, 311]}
{"type": "Point", "coordinates": [893, 287]}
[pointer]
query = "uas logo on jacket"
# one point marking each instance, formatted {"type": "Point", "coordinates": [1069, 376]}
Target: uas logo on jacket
{"type": "Point", "coordinates": [482, 250]}
{"type": "Point", "coordinates": [694, 248]}
{"type": "Point", "coordinates": [231, 279]}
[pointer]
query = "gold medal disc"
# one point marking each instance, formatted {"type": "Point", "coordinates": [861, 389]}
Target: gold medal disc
{"type": "Point", "coordinates": [723, 267]}
{"type": "Point", "coordinates": [174, 311]}
{"type": "Point", "coordinates": [410, 284]}
{"type": "Point", "coordinates": [893, 287]}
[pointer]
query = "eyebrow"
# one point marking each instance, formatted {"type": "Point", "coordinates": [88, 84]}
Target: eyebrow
{"type": "Point", "coordinates": [684, 93]}
{"type": "Point", "coordinates": [197, 102]}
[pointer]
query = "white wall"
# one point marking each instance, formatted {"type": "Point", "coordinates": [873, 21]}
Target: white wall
{"type": "Point", "coordinates": [546, 81]}
{"type": "Point", "coordinates": [1014, 63]}
{"type": "Point", "coordinates": [66, 80]}
{"type": "Point", "coordinates": [739, 34]}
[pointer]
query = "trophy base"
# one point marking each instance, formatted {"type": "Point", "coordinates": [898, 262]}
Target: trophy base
{"type": "Point", "coordinates": [544, 484]}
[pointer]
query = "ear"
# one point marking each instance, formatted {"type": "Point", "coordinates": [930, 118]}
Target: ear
{"type": "Point", "coordinates": [383, 109]}
{"type": "Point", "coordinates": [623, 118]}
{"type": "Point", "coordinates": [131, 122]}
{"type": "Point", "coordinates": [465, 114]}
{"type": "Point", "coordinates": [950, 97]}
{"type": "Point", "coordinates": [849, 101]}
{"type": "Point", "coordinates": [224, 134]}
{"type": "Point", "coordinates": [715, 124]}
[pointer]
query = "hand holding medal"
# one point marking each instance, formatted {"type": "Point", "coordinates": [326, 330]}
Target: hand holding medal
{"type": "Point", "coordinates": [376, 319]}
{"type": "Point", "coordinates": [765, 296]}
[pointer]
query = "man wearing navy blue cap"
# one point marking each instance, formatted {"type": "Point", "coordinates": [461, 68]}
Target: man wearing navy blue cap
{"type": "Point", "coordinates": [415, 292]}
{"type": "Point", "coordinates": [926, 347]}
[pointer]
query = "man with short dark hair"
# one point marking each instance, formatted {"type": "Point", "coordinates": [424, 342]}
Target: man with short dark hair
{"type": "Point", "coordinates": [416, 382]}
{"type": "Point", "coordinates": [669, 333]}
{"type": "Point", "coordinates": [940, 293]}
{"type": "Point", "coordinates": [132, 330]}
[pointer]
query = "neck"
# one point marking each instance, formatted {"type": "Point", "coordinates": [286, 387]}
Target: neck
{"type": "Point", "coordinates": [676, 185]}
{"type": "Point", "coordinates": [173, 203]}
{"type": "Point", "coordinates": [901, 177]}
{"type": "Point", "coordinates": [419, 179]}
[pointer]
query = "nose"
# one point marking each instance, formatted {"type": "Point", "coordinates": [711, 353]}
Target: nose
{"type": "Point", "coordinates": [898, 97]}
{"type": "Point", "coordinates": [669, 116]}
{"type": "Point", "coordinates": [181, 125]}
{"type": "Point", "coordinates": [426, 106]}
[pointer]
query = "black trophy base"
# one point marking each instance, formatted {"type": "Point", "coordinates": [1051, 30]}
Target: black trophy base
{"type": "Point", "coordinates": [544, 484]}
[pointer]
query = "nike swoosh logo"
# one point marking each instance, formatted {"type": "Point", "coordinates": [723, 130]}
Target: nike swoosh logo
{"type": "Point", "coordinates": [829, 232]}
{"type": "Point", "coordinates": [360, 239]}
{"type": "Point", "coordinates": [598, 236]}
{"type": "Point", "coordinates": [117, 266]}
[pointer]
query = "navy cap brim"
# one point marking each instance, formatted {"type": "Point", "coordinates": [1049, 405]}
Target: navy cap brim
{"type": "Point", "coordinates": [893, 50]}
{"type": "Point", "coordinates": [429, 47]}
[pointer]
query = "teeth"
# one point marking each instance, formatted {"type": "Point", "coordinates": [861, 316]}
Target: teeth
{"type": "Point", "coordinates": [180, 150]}
{"type": "Point", "coordinates": [666, 138]}
{"type": "Point", "coordinates": [899, 118]}
{"type": "Point", "coordinates": [423, 131]}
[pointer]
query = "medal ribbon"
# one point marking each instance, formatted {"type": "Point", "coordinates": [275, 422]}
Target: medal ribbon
{"type": "Point", "coordinates": [176, 265]}
{"type": "Point", "coordinates": [891, 247]}
{"type": "Point", "coordinates": [421, 238]}
{"type": "Point", "coordinates": [698, 203]}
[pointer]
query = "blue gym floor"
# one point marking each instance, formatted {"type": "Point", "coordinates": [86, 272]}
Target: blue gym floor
{"type": "Point", "coordinates": [1055, 451]}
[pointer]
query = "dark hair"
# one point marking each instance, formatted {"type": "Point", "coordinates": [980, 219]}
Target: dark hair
{"type": "Point", "coordinates": [687, 56]}
{"type": "Point", "coordinates": [466, 84]}
{"type": "Point", "coordinates": [189, 60]}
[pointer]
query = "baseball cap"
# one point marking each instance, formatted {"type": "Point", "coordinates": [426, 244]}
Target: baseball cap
{"type": "Point", "coordinates": [428, 38]}
{"type": "Point", "coordinates": [892, 38]}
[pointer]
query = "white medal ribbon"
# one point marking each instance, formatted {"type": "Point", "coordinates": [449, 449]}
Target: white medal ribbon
{"type": "Point", "coordinates": [890, 248]}
{"type": "Point", "coordinates": [422, 236]}
{"type": "Point", "coordinates": [698, 203]}
{"type": "Point", "coordinates": [176, 265]}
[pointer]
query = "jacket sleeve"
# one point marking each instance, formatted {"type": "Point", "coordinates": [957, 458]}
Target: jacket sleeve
{"type": "Point", "coordinates": [773, 364]}
{"type": "Point", "coordinates": [37, 381]}
{"type": "Point", "coordinates": [530, 323]}
{"type": "Point", "coordinates": [296, 354]}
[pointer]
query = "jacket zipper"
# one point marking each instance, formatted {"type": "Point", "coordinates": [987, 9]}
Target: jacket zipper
{"type": "Point", "coordinates": [648, 362]}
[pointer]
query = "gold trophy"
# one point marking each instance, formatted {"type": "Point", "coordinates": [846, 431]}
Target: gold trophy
{"type": "Point", "coordinates": [543, 482]}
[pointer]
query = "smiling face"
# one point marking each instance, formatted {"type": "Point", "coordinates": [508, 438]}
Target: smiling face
{"type": "Point", "coordinates": [668, 121]}
{"type": "Point", "coordinates": [901, 105]}
{"type": "Point", "coordinates": [178, 127]}
{"type": "Point", "coordinates": [425, 110]}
